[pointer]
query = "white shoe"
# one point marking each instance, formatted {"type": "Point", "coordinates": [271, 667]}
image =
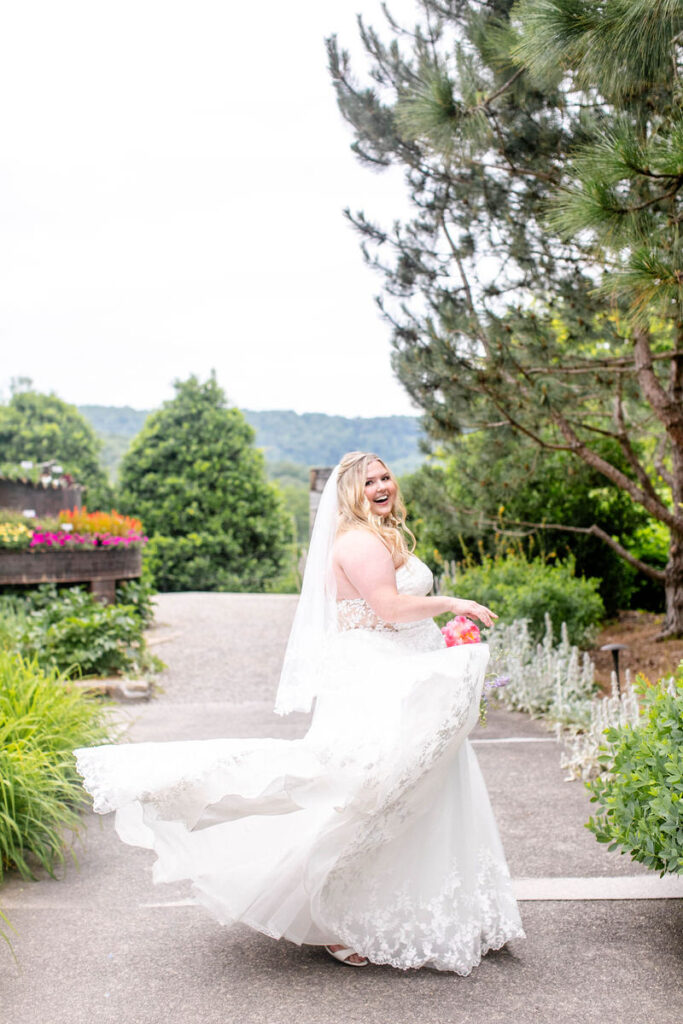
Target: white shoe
{"type": "Point", "coordinates": [342, 955]}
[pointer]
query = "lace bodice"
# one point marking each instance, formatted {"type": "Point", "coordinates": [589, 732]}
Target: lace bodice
{"type": "Point", "coordinates": [413, 577]}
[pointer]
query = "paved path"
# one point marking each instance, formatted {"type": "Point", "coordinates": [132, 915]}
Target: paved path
{"type": "Point", "coordinates": [104, 945]}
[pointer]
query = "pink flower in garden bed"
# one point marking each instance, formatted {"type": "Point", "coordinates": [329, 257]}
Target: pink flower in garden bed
{"type": "Point", "coordinates": [460, 630]}
{"type": "Point", "coordinates": [50, 539]}
{"type": "Point", "coordinates": [107, 540]}
{"type": "Point", "coordinates": [61, 539]}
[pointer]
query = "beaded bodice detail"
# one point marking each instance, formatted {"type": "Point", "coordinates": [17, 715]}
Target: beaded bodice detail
{"type": "Point", "coordinates": [413, 577]}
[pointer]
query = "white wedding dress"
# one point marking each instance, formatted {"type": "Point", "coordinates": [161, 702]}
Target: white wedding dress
{"type": "Point", "coordinates": [375, 830]}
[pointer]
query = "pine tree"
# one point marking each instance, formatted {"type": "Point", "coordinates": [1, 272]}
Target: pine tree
{"type": "Point", "coordinates": [193, 476]}
{"type": "Point", "coordinates": [537, 284]}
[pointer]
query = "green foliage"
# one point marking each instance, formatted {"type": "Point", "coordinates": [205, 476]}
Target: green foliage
{"type": "Point", "coordinates": [41, 427]}
{"type": "Point", "coordinates": [639, 791]}
{"type": "Point", "coordinates": [302, 441]}
{"type": "Point", "coordinates": [118, 420]}
{"type": "Point", "coordinates": [315, 439]}
{"type": "Point", "coordinates": [486, 484]}
{"type": "Point", "coordinates": [289, 579]}
{"type": "Point", "coordinates": [69, 631]}
{"type": "Point", "coordinates": [519, 588]}
{"type": "Point", "coordinates": [139, 594]}
{"type": "Point", "coordinates": [293, 483]}
{"type": "Point", "coordinates": [199, 486]}
{"type": "Point", "coordinates": [42, 721]}
{"type": "Point", "coordinates": [13, 620]}
{"type": "Point", "coordinates": [536, 280]}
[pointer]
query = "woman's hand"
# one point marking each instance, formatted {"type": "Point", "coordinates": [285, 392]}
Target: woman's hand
{"type": "Point", "coordinates": [461, 607]}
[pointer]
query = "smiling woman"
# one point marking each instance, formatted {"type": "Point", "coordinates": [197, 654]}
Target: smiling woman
{"type": "Point", "coordinates": [373, 835]}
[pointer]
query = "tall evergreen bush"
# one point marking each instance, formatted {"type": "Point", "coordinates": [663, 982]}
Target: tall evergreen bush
{"type": "Point", "coordinates": [199, 485]}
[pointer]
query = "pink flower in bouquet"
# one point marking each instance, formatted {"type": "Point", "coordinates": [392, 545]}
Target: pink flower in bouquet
{"type": "Point", "coordinates": [460, 630]}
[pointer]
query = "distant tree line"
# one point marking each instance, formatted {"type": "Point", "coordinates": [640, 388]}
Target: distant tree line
{"type": "Point", "coordinates": [308, 439]}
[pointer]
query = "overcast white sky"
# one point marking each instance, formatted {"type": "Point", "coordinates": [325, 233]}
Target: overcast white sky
{"type": "Point", "coordinates": [172, 176]}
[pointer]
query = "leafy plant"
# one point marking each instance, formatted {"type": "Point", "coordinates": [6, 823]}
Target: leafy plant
{"type": "Point", "coordinates": [79, 636]}
{"type": "Point", "coordinates": [139, 593]}
{"type": "Point", "coordinates": [639, 791]}
{"type": "Point", "coordinates": [70, 631]}
{"type": "Point", "coordinates": [516, 587]}
{"type": "Point", "coordinates": [42, 720]}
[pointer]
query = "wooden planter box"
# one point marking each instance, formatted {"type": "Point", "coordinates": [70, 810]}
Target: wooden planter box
{"type": "Point", "coordinates": [101, 567]}
{"type": "Point", "coordinates": [45, 501]}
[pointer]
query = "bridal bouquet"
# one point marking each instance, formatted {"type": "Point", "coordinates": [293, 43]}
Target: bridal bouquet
{"type": "Point", "coordinates": [462, 630]}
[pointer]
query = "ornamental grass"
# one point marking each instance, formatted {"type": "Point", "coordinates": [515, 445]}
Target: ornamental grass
{"type": "Point", "coordinates": [42, 720]}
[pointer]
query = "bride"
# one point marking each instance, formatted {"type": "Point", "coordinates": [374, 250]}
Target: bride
{"type": "Point", "coordinates": [373, 835]}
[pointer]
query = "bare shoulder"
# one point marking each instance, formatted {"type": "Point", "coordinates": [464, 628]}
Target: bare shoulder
{"type": "Point", "coordinates": [360, 544]}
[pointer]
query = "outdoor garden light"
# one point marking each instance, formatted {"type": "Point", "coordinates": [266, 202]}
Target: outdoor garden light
{"type": "Point", "coordinates": [615, 648]}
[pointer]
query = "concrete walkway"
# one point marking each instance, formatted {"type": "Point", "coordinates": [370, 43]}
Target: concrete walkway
{"type": "Point", "coordinates": [604, 937]}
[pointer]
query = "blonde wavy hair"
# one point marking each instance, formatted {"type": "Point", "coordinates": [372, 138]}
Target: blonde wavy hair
{"type": "Point", "coordinates": [355, 512]}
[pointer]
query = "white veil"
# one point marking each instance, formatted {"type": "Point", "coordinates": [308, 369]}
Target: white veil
{"type": "Point", "coordinates": [315, 621]}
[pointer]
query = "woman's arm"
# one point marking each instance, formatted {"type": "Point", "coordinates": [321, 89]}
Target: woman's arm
{"type": "Point", "coordinates": [369, 568]}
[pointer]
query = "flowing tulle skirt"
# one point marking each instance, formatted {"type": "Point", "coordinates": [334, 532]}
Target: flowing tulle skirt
{"type": "Point", "coordinates": [375, 830]}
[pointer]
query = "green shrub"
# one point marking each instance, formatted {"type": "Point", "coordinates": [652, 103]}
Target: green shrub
{"type": "Point", "coordinates": [207, 561]}
{"type": "Point", "coordinates": [289, 579]}
{"type": "Point", "coordinates": [519, 588]}
{"type": "Point", "coordinates": [70, 631]}
{"type": "Point", "coordinates": [199, 486]}
{"type": "Point", "coordinates": [42, 720]}
{"type": "Point", "coordinates": [140, 594]}
{"type": "Point", "coordinates": [640, 786]}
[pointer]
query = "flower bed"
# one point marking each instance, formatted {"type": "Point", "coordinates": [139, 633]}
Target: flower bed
{"type": "Point", "coordinates": [78, 547]}
{"type": "Point", "coordinates": [43, 539]}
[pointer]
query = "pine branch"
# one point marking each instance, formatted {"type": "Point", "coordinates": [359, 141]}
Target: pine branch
{"type": "Point", "coordinates": [668, 412]}
{"type": "Point", "coordinates": [495, 401]}
{"type": "Point", "coordinates": [617, 363]}
{"type": "Point", "coordinates": [594, 530]}
{"type": "Point", "coordinates": [504, 88]}
{"type": "Point", "coordinates": [658, 460]}
{"type": "Point", "coordinates": [528, 171]}
{"type": "Point", "coordinates": [650, 202]}
{"type": "Point", "coordinates": [481, 334]}
{"type": "Point", "coordinates": [627, 448]}
{"type": "Point", "coordinates": [591, 457]}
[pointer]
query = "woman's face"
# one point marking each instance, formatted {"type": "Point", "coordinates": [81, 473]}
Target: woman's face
{"type": "Point", "coordinates": [380, 489]}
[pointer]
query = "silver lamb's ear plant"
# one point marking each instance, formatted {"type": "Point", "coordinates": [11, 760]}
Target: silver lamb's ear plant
{"type": "Point", "coordinates": [556, 683]}
{"type": "Point", "coordinates": [551, 681]}
{"type": "Point", "coordinates": [582, 749]}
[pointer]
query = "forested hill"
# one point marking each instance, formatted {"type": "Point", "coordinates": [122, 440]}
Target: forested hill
{"type": "Point", "coordinates": [315, 439]}
{"type": "Point", "coordinates": [309, 439]}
